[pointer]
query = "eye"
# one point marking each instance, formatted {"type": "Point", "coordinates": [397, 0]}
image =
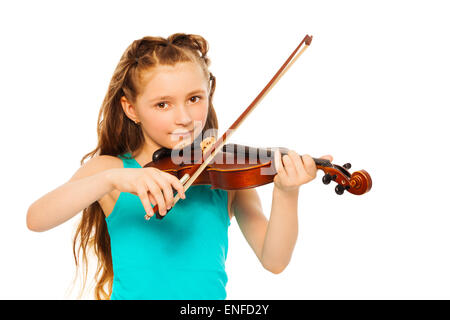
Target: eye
{"type": "Point", "coordinates": [195, 97]}
{"type": "Point", "coordinates": [160, 105]}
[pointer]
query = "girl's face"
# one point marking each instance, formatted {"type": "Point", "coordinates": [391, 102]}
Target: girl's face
{"type": "Point", "coordinates": [173, 104]}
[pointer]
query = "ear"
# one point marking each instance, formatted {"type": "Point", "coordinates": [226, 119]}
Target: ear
{"type": "Point", "coordinates": [129, 109]}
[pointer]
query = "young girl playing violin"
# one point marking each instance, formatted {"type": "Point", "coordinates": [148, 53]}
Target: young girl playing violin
{"type": "Point", "coordinates": [161, 92]}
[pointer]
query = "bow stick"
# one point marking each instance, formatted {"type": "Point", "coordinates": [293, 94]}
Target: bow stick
{"type": "Point", "coordinates": [188, 179]}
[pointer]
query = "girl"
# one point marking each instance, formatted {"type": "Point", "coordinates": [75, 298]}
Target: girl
{"type": "Point", "coordinates": [161, 92]}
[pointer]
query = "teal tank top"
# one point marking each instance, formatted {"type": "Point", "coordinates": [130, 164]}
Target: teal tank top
{"type": "Point", "coordinates": [181, 257]}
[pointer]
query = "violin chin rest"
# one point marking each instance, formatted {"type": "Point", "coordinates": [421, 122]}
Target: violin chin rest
{"type": "Point", "coordinates": [160, 154]}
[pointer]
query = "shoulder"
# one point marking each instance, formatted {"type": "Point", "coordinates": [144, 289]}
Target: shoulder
{"type": "Point", "coordinates": [97, 164]}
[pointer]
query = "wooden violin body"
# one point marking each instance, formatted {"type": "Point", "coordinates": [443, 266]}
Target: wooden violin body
{"type": "Point", "coordinates": [238, 167]}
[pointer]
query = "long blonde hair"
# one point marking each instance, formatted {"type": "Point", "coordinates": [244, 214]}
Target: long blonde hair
{"type": "Point", "coordinates": [118, 134]}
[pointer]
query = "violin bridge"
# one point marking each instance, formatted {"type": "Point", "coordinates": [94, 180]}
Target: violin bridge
{"type": "Point", "coordinates": [207, 143]}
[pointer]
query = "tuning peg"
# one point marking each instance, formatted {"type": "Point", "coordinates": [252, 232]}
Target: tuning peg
{"type": "Point", "coordinates": [347, 166]}
{"type": "Point", "coordinates": [326, 178]}
{"type": "Point", "coordinates": [339, 189]}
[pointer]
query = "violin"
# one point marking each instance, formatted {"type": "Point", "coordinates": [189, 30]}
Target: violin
{"type": "Point", "coordinates": [241, 167]}
{"type": "Point", "coordinates": [234, 167]}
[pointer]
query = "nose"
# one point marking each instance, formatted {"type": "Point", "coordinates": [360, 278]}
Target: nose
{"type": "Point", "coordinates": [183, 117]}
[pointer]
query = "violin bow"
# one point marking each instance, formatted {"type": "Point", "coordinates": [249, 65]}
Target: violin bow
{"type": "Point", "coordinates": [188, 179]}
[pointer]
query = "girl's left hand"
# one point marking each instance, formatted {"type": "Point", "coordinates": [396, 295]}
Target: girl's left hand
{"type": "Point", "coordinates": [294, 170]}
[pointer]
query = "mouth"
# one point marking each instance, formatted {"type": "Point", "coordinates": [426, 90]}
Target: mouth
{"type": "Point", "coordinates": [182, 134]}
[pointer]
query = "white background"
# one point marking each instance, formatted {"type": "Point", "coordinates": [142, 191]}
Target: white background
{"type": "Point", "coordinates": [372, 90]}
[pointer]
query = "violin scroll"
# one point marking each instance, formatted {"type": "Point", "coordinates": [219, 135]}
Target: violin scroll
{"type": "Point", "coordinates": [359, 182]}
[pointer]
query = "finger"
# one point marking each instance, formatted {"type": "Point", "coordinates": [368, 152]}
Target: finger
{"type": "Point", "coordinates": [279, 164]}
{"type": "Point", "coordinates": [297, 161]}
{"type": "Point", "coordinates": [142, 194]}
{"type": "Point", "coordinates": [158, 195]}
{"type": "Point", "coordinates": [309, 165]}
{"type": "Point", "coordinates": [176, 184]}
{"type": "Point", "coordinates": [277, 160]}
{"type": "Point", "coordinates": [152, 199]}
{"type": "Point", "coordinates": [289, 166]}
{"type": "Point", "coordinates": [328, 157]}
{"type": "Point", "coordinates": [166, 188]}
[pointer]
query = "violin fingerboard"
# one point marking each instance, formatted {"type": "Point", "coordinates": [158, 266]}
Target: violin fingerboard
{"type": "Point", "coordinates": [248, 151]}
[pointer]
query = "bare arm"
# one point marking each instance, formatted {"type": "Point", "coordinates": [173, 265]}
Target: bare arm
{"type": "Point", "coordinates": [272, 241]}
{"type": "Point", "coordinates": [90, 183]}
{"type": "Point", "coordinates": [282, 231]}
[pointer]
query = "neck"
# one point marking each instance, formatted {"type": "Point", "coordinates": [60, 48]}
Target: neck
{"type": "Point", "coordinates": [144, 154]}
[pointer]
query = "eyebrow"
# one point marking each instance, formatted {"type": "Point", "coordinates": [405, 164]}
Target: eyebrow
{"type": "Point", "coordinates": [169, 97]}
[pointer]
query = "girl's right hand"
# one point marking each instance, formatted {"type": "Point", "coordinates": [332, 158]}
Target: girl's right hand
{"type": "Point", "coordinates": [150, 184]}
